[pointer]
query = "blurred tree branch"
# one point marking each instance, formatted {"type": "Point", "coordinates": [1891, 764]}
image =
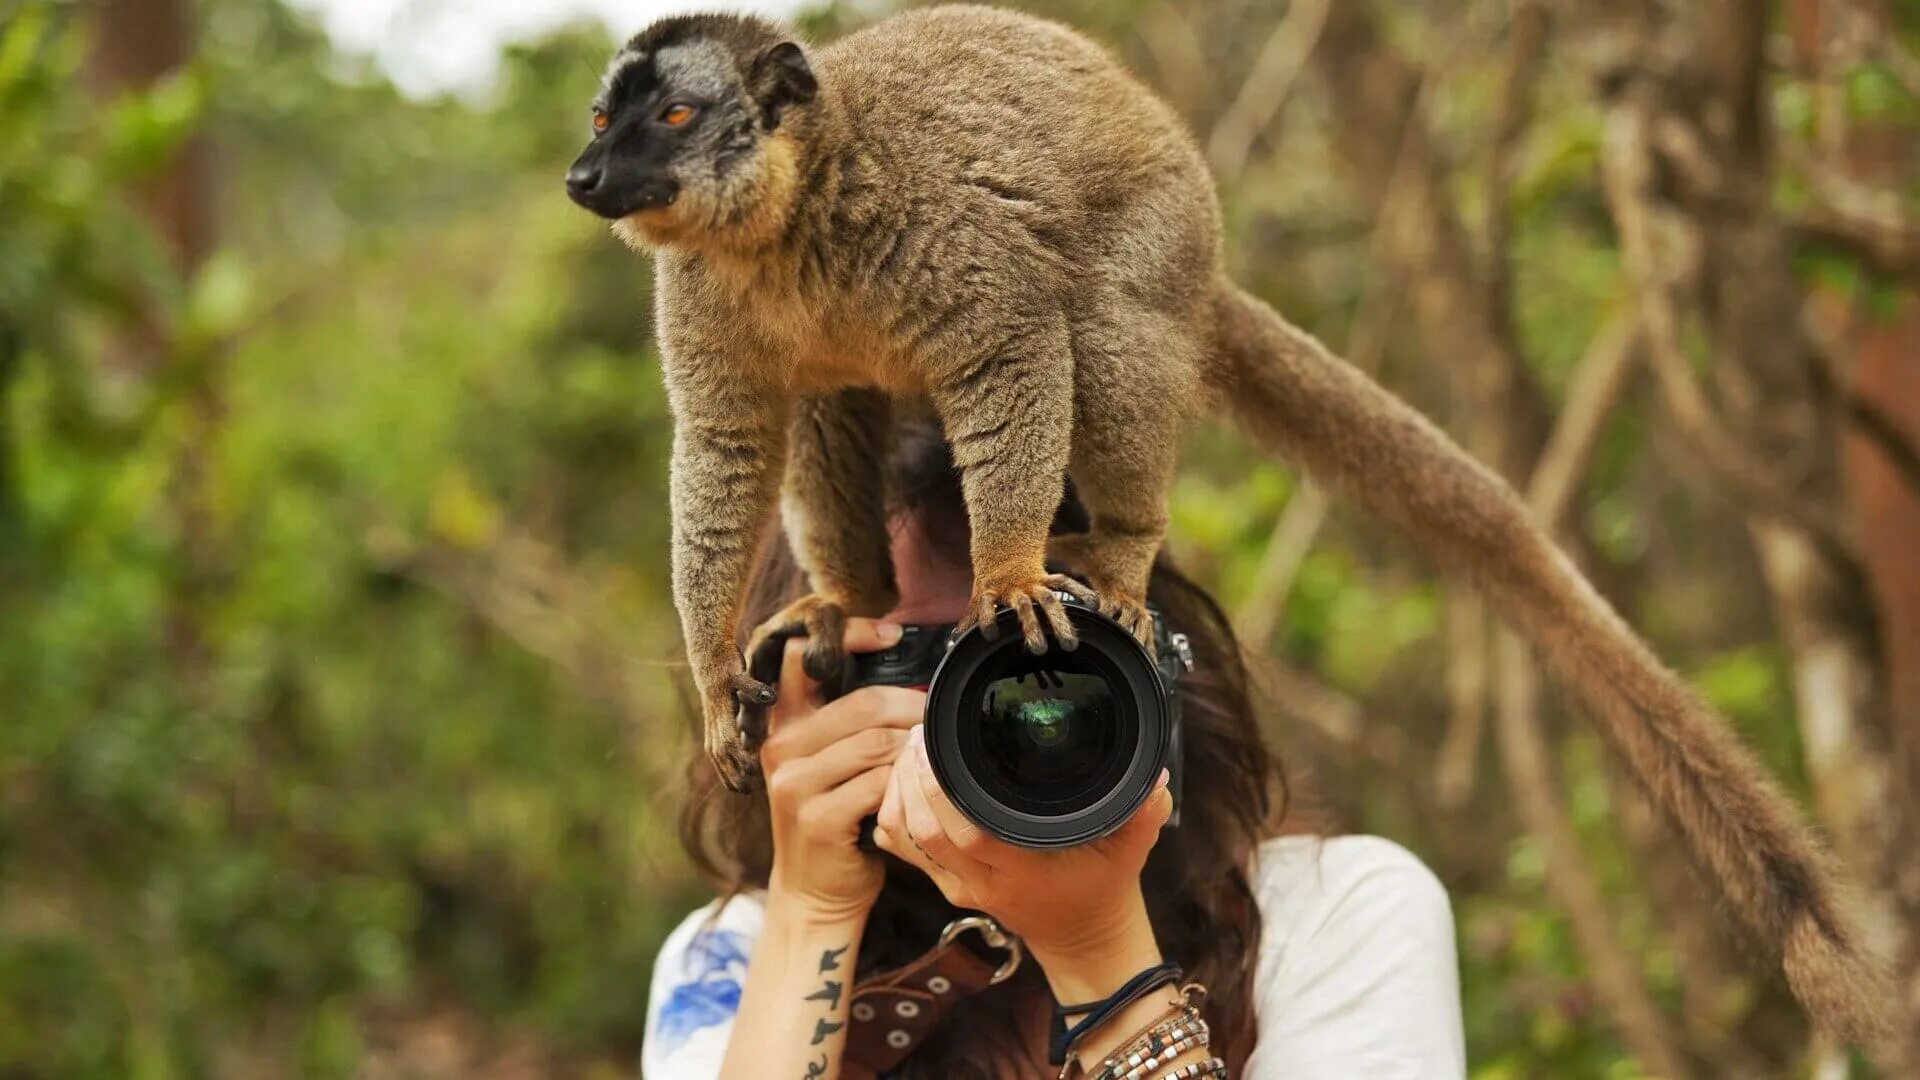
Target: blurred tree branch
{"type": "Point", "coordinates": [1598, 383]}
{"type": "Point", "coordinates": [1519, 90]}
{"type": "Point", "coordinates": [1266, 89]}
{"type": "Point", "coordinates": [1175, 50]}
{"type": "Point", "coordinates": [526, 590]}
{"type": "Point", "coordinates": [1376, 93]}
{"type": "Point", "coordinates": [1628, 171]}
{"type": "Point", "coordinates": [1889, 244]}
{"type": "Point", "coordinates": [1752, 312]}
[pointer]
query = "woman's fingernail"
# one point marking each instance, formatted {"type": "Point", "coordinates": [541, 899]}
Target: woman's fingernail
{"type": "Point", "coordinates": [888, 632]}
{"type": "Point", "coordinates": [917, 734]}
{"type": "Point", "coordinates": [1165, 776]}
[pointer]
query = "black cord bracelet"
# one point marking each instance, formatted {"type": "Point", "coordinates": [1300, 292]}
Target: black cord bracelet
{"type": "Point", "coordinates": [1099, 1012]}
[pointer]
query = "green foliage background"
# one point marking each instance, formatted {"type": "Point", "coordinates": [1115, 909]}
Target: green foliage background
{"type": "Point", "coordinates": [341, 712]}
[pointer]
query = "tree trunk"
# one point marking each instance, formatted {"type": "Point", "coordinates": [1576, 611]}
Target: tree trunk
{"type": "Point", "coordinates": [135, 44]}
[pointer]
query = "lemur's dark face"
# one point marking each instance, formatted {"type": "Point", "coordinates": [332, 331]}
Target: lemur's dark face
{"type": "Point", "coordinates": [680, 121]}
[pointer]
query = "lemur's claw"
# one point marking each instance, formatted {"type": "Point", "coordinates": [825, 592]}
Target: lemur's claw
{"type": "Point", "coordinates": [1031, 603]}
{"type": "Point", "coordinates": [730, 740]}
{"type": "Point", "coordinates": [748, 690]}
{"type": "Point", "coordinates": [1132, 615]}
{"type": "Point", "coordinates": [739, 768]}
{"type": "Point", "coordinates": [734, 715]}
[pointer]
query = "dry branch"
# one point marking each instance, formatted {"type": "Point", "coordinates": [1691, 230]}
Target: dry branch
{"type": "Point", "coordinates": [1374, 92]}
{"type": "Point", "coordinates": [1456, 764]}
{"type": "Point", "coordinates": [1530, 774]}
{"type": "Point", "coordinates": [1381, 128]}
{"type": "Point", "coordinates": [1597, 384]}
{"type": "Point", "coordinates": [1519, 90]}
{"type": "Point", "coordinates": [1287, 547]}
{"type": "Point", "coordinates": [526, 591]}
{"type": "Point", "coordinates": [1597, 388]}
{"type": "Point", "coordinates": [1176, 52]}
{"type": "Point", "coordinates": [1333, 715]}
{"type": "Point", "coordinates": [1888, 243]}
{"type": "Point", "coordinates": [1628, 173]}
{"type": "Point", "coordinates": [1897, 59]}
{"type": "Point", "coordinates": [1266, 89]}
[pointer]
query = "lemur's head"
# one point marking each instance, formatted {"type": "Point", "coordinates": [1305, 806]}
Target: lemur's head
{"type": "Point", "coordinates": [688, 132]}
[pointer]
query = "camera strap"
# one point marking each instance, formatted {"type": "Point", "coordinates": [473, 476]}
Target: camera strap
{"type": "Point", "coordinates": [893, 1012]}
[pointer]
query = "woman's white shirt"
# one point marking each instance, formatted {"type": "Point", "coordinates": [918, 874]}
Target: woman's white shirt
{"type": "Point", "coordinates": [1356, 974]}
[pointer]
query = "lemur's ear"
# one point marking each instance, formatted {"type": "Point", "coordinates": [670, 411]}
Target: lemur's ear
{"type": "Point", "coordinates": [781, 77]}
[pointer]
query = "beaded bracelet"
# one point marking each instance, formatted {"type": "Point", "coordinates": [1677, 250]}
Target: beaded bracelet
{"type": "Point", "coordinates": [1136, 1057]}
{"type": "Point", "coordinates": [1212, 1069]}
{"type": "Point", "coordinates": [1143, 1048]}
{"type": "Point", "coordinates": [1185, 1017]}
{"type": "Point", "coordinates": [1155, 1062]}
{"type": "Point", "coordinates": [1110, 1066]}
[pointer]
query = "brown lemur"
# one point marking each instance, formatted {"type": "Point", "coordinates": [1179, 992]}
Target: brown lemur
{"type": "Point", "coordinates": [982, 213]}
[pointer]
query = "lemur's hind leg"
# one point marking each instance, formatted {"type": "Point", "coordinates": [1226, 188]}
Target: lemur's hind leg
{"type": "Point", "coordinates": [1134, 386]}
{"type": "Point", "coordinates": [1008, 415]}
{"type": "Point", "coordinates": [833, 505]}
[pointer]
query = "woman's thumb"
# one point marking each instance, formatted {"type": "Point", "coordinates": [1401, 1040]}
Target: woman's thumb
{"type": "Point", "coordinates": [1143, 828]}
{"type": "Point", "coordinates": [870, 635]}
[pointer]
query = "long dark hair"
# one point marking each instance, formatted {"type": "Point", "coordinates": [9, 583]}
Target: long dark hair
{"type": "Point", "coordinates": [1197, 892]}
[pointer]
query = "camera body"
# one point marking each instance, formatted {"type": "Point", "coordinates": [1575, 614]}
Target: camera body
{"type": "Point", "coordinates": [1050, 750]}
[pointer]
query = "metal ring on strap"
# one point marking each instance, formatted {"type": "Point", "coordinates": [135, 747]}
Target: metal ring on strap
{"type": "Point", "coordinates": [995, 936]}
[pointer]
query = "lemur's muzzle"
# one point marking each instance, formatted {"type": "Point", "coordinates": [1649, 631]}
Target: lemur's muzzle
{"type": "Point", "coordinates": [612, 196]}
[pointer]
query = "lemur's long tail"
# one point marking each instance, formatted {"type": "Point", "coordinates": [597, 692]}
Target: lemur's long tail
{"type": "Point", "coordinates": [1316, 410]}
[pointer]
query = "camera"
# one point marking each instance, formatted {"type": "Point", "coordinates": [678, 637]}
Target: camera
{"type": "Point", "coordinates": [1043, 751]}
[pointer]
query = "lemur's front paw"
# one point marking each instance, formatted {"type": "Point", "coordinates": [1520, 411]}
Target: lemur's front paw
{"type": "Point", "coordinates": [1130, 612]}
{"type": "Point", "coordinates": [1031, 601]}
{"type": "Point", "coordinates": [1105, 569]}
{"type": "Point", "coordinates": [734, 725]}
{"type": "Point", "coordinates": [824, 623]}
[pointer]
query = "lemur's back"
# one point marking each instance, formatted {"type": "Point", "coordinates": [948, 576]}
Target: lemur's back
{"type": "Point", "coordinates": [1027, 107]}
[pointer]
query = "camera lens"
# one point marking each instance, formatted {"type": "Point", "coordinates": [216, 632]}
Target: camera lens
{"type": "Point", "coordinates": [1049, 734]}
{"type": "Point", "coordinates": [1048, 750]}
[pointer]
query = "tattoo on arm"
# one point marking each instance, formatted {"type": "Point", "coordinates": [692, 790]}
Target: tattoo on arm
{"type": "Point", "coordinates": [829, 992]}
{"type": "Point", "coordinates": [822, 1029]}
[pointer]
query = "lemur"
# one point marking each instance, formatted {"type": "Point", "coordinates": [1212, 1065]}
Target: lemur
{"type": "Point", "coordinates": [983, 214]}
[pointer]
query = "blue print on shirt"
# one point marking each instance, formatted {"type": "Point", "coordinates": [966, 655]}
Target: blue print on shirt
{"type": "Point", "coordinates": [709, 993]}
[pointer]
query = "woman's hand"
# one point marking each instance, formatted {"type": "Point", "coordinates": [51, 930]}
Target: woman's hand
{"type": "Point", "coordinates": [826, 767]}
{"type": "Point", "coordinates": [1079, 907]}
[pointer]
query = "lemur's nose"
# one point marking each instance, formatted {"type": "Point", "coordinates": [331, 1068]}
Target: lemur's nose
{"type": "Point", "coordinates": [582, 180]}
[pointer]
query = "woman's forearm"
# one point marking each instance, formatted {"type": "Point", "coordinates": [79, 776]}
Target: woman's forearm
{"type": "Point", "coordinates": [793, 1008]}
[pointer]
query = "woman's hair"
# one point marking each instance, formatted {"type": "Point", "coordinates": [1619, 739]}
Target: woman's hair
{"type": "Point", "coordinates": [1196, 886]}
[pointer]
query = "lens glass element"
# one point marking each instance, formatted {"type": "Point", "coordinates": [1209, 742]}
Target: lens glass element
{"type": "Point", "coordinates": [1049, 735]}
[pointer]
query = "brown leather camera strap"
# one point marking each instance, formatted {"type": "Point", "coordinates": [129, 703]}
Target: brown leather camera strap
{"type": "Point", "coordinates": [893, 1012]}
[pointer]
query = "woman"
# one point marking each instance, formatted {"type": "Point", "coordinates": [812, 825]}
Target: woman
{"type": "Point", "coordinates": [1320, 957]}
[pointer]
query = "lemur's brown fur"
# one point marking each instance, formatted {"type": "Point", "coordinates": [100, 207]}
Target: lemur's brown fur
{"type": "Point", "coordinates": [982, 213]}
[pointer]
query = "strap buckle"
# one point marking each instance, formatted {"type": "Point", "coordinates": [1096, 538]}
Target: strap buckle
{"type": "Point", "coordinates": [995, 936]}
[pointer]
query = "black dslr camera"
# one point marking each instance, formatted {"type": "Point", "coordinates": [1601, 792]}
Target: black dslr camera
{"type": "Point", "coordinates": [1043, 751]}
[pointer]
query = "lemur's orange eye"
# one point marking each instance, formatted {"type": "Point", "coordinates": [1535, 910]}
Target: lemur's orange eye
{"type": "Point", "coordinates": [600, 120]}
{"type": "Point", "coordinates": [676, 114]}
